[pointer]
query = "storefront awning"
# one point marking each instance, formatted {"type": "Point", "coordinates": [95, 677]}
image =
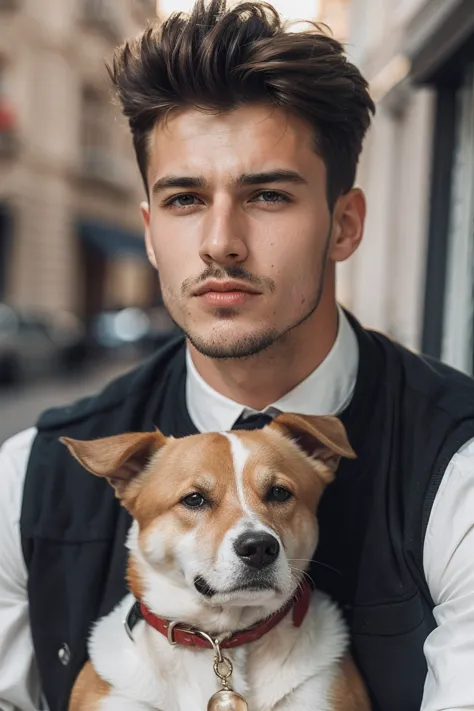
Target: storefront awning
{"type": "Point", "coordinates": [110, 240]}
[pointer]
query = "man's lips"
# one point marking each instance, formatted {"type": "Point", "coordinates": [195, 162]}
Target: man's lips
{"type": "Point", "coordinates": [226, 293]}
{"type": "Point", "coordinates": [223, 287]}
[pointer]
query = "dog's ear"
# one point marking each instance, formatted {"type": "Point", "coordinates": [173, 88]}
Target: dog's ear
{"type": "Point", "coordinates": [119, 459]}
{"type": "Point", "coordinates": [323, 438]}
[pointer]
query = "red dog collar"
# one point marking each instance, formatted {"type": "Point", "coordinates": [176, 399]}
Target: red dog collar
{"type": "Point", "coordinates": [190, 637]}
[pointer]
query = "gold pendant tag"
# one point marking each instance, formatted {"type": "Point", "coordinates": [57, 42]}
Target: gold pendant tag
{"type": "Point", "coordinates": [227, 700]}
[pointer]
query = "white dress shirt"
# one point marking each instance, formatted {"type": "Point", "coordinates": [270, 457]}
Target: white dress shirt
{"type": "Point", "coordinates": [448, 552]}
{"type": "Point", "coordinates": [326, 391]}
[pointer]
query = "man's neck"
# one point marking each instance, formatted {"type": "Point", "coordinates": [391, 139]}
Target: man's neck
{"type": "Point", "coordinates": [264, 378]}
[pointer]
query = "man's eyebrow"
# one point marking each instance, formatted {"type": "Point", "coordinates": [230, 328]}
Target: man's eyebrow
{"type": "Point", "coordinates": [187, 182]}
{"type": "Point", "coordinates": [271, 176]}
{"type": "Point", "coordinates": [178, 181]}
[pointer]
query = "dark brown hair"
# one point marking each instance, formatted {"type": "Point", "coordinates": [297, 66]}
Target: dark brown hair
{"type": "Point", "coordinates": [217, 59]}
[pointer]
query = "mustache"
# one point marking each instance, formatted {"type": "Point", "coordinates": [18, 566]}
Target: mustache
{"type": "Point", "coordinates": [231, 272]}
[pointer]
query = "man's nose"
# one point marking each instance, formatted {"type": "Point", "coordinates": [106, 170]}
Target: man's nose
{"type": "Point", "coordinates": [224, 240]}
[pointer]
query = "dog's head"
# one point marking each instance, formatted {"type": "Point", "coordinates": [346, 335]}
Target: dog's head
{"type": "Point", "coordinates": [229, 516]}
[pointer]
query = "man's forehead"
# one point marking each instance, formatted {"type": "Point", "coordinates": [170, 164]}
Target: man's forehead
{"type": "Point", "coordinates": [230, 144]}
{"type": "Point", "coordinates": [190, 123]}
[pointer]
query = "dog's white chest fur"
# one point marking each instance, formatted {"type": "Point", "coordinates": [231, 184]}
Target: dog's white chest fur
{"type": "Point", "coordinates": [149, 673]}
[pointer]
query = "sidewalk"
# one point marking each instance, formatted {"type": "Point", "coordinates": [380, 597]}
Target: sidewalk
{"type": "Point", "coordinates": [20, 407]}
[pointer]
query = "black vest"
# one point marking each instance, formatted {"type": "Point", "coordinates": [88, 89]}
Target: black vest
{"type": "Point", "coordinates": [407, 418]}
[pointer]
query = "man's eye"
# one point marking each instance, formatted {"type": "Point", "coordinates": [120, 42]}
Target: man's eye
{"type": "Point", "coordinates": [194, 501]}
{"type": "Point", "coordinates": [182, 201]}
{"type": "Point", "coordinates": [278, 494]}
{"type": "Point", "coordinates": [270, 196]}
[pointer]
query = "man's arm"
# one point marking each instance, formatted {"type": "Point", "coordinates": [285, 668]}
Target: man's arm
{"type": "Point", "coordinates": [19, 683]}
{"type": "Point", "coordinates": [449, 569]}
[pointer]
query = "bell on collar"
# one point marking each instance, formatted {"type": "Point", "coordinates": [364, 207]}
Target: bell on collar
{"type": "Point", "coordinates": [227, 700]}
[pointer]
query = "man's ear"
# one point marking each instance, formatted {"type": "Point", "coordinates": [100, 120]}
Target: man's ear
{"type": "Point", "coordinates": [323, 438]}
{"type": "Point", "coordinates": [119, 459]}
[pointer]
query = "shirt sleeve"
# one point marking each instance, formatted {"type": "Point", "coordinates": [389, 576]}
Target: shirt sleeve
{"type": "Point", "coordinates": [19, 682]}
{"type": "Point", "coordinates": [448, 561]}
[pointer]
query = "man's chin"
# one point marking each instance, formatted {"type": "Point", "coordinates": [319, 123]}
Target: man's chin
{"type": "Point", "coordinates": [232, 342]}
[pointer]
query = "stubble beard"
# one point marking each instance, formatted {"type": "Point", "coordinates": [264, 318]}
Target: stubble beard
{"type": "Point", "coordinates": [253, 344]}
{"type": "Point", "coordinates": [246, 346]}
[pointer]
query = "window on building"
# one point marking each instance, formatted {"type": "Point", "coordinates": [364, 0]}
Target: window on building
{"type": "Point", "coordinates": [145, 7]}
{"type": "Point", "coordinates": [97, 9]}
{"type": "Point", "coordinates": [8, 122]}
{"type": "Point", "coordinates": [448, 328]}
{"type": "Point", "coordinates": [94, 129]}
{"type": "Point", "coordinates": [95, 135]}
{"type": "Point", "coordinates": [9, 4]}
{"type": "Point", "coordinates": [101, 150]}
{"type": "Point", "coordinates": [3, 79]}
{"type": "Point", "coordinates": [103, 14]}
{"type": "Point", "coordinates": [457, 346]}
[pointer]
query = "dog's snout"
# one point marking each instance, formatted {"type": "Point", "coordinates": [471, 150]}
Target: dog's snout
{"type": "Point", "coordinates": [257, 549]}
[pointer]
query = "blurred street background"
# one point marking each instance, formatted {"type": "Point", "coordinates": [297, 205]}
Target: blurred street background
{"type": "Point", "coordinates": [79, 302]}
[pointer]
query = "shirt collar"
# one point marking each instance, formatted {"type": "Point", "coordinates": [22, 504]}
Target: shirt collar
{"type": "Point", "coordinates": [326, 391]}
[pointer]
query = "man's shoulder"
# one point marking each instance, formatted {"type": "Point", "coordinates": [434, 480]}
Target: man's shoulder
{"type": "Point", "coordinates": [18, 443]}
{"type": "Point", "coordinates": [14, 455]}
{"type": "Point", "coordinates": [128, 387]}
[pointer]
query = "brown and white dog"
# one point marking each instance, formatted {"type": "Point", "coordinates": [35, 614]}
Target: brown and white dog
{"type": "Point", "coordinates": [224, 528]}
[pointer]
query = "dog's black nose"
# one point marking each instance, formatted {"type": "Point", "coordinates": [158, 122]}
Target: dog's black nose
{"type": "Point", "coordinates": [257, 549]}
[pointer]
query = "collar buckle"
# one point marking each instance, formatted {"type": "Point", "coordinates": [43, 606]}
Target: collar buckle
{"type": "Point", "coordinates": [170, 630]}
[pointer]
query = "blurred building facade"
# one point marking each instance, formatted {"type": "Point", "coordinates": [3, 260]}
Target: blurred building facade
{"type": "Point", "coordinates": [414, 275]}
{"type": "Point", "coordinates": [70, 230]}
{"type": "Point", "coordinates": [336, 15]}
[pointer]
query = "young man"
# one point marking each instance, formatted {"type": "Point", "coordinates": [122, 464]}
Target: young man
{"type": "Point", "coordinates": [248, 138]}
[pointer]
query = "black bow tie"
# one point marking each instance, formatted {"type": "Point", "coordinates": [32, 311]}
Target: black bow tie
{"type": "Point", "coordinates": [252, 422]}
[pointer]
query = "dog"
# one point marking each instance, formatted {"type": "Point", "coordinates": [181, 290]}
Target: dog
{"type": "Point", "coordinates": [220, 614]}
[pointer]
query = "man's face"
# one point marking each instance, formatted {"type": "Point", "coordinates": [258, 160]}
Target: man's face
{"type": "Point", "coordinates": [237, 202]}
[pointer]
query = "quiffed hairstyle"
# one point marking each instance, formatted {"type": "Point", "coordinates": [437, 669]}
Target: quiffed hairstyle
{"type": "Point", "coordinates": [217, 59]}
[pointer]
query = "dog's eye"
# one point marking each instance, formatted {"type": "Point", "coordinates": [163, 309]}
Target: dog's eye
{"type": "Point", "coordinates": [194, 501]}
{"type": "Point", "coordinates": [279, 494]}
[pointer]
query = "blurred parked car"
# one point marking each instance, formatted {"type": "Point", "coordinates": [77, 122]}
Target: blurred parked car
{"type": "Point", "coordinates": [34, 344]}
{"type": "Point", "coordinates": [161, 329]}
{"type": "Point", "coordinates": [132, 330]}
